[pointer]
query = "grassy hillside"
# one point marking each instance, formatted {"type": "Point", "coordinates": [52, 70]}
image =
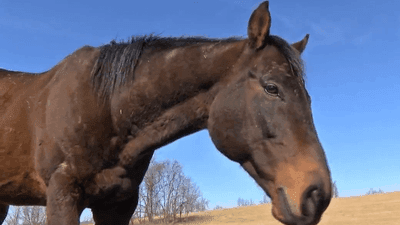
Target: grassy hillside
{"type": "Point", "coordinates": [364, 210]}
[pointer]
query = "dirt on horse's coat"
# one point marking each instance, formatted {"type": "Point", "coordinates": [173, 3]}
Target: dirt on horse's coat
{"type": "Point", "coordinates": [83, 133]}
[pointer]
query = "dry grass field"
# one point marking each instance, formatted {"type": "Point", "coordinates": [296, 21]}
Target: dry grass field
{"type": "Point", "coordinates": [365, 210]}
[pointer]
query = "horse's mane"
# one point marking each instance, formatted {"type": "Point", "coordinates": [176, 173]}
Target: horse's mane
{"type": "Point", "coordinates": [117, 61]}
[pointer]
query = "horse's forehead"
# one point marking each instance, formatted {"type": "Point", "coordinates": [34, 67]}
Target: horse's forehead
{"type": "Point", "coordinates": [272, 61]}
{"type": "Point", "coordinates": [272, 66]}
{"type": "Point", "coordinates": [281, 66]}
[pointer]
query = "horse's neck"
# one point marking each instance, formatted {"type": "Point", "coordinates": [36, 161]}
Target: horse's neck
{"type": "Point", "coordinates": [168, 79]}
{"type": "Point", "coordinates": [196, 66]}
{"type": "Point", "coordinates": [171, 95]}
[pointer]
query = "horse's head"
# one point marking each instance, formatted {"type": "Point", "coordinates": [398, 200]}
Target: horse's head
{"type": "Point", "coordinates": [261, 118]}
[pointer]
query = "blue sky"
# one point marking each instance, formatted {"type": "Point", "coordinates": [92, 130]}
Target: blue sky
{"type": "Point", "coordinates": [352, 65]}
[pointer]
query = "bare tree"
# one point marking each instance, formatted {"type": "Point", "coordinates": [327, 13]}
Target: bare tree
{"type": "Point", "coordinates": [171, 179]}
{"type": "Point", "coordinates": [151, 189]}
{"type": "Point", "coordinates": [27, 215]}
{"type": "Point", "coordinates": [243, 202]}
{"type": "Point", "coordinates": [217, 207]}
{"type": "Point", "coordinates": [166, 192]}
{"type": "Point", "coordinates": [240, 201]}
{"type": "Point", "coordinates": [191, 196]}
{"type": "Point", "coordinates": [201, 204]}
{"type": "Point", "coordinates": [15, 215]}
{"type": "Point", "coordinates": [139, 212]}
{"type": "Point", "coordinates": [176, 183]}
{"type": "Point", "coordinates": [34, 215]}
{"type": "Point", "coordinates": [335, 192]}
{"type": "Point", "coordinates": [184, 201]}
{"type": "Point", "coordinates": [265, 199]}
{"type": "Point", "coordinates": [373, 192]}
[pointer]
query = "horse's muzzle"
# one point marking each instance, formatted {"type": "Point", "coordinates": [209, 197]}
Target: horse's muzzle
{"type": "Point", "coordinates": [313, 204]}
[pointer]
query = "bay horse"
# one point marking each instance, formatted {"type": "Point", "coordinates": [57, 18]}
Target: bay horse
{"type": "Point", "coordinates": [82, 134]}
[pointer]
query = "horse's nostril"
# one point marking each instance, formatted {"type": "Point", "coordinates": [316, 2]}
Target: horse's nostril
{"type": "Point", "coordinates": [316, 196]}
{"type": "Point", "coordinates": [311, 202]}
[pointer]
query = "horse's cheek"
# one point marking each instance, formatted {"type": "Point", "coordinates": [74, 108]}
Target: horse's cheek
{"type": "Point", "coordinates": [225, 126]}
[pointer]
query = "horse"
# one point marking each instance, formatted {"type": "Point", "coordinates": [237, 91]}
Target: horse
{"type": "Point", "coordinates": [82, 134]}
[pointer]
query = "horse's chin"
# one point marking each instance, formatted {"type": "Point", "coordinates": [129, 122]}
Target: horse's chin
{"type": "Point", "coordinates": [283, 215]}
{"type": "Point", "coordinates": [277, 212]}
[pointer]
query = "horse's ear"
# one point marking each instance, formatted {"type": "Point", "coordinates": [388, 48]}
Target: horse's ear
{"type": "Point", "coordinates": [259, 24]}
{"type": "Point", "coordinates": [301, 45]}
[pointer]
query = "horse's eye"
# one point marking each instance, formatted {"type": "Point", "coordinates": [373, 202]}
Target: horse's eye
{"type": "Point", "coordinates": [271, 89]}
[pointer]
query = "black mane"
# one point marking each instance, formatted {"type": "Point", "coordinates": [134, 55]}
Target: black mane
{"type": "Point", "coordinates": [117, 61]}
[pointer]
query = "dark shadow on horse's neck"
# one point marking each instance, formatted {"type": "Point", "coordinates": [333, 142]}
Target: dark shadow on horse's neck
{"type": "Point", "coordinates": [171, 94]}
